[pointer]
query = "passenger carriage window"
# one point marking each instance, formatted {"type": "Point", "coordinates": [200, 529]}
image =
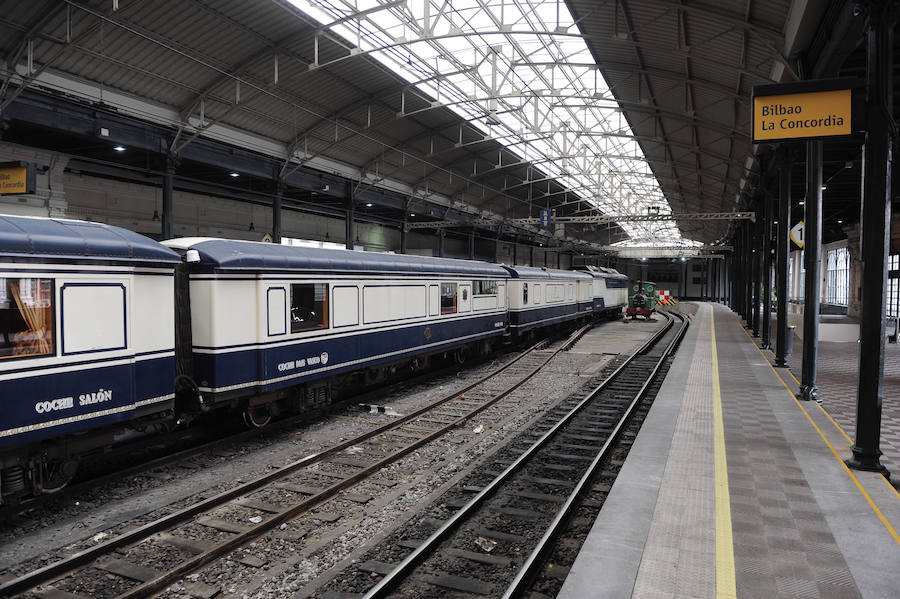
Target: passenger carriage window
{"type": "Point", "coordinates": [448, 298]}
{"type": "Point", "coordinates": [26, 318]}
{"type": "Point", "coordinates": [484, 287]}
{"type": "Point", "coordinates": [524, 293]}
{"type": "Point", "coordinates": [309, 306]}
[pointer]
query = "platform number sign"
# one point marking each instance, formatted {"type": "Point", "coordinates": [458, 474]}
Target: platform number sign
{"type": "Point", "coordinates": [797, 232]}
{"type": "Point", "coordinates": [546, 217]}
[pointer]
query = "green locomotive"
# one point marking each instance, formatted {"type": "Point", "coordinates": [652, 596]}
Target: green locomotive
{"type": "Point", "coordinates": [642, 301]}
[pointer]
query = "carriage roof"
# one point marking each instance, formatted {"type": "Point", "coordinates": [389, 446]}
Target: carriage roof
{"type": "Point", "coordinates": [57, 238]}
{"type": "Point", "coordinates": [227, 254]}
{"type": "Point", "coordinates": [534, 272]}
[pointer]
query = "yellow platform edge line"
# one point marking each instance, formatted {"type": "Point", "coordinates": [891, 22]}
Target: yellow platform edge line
{"type": "Point", "coordinates": [726, 586]}
{"type": "Point", "coordinates": [828, 415]}
{"type": "Point", "coordinates": [834, 452]}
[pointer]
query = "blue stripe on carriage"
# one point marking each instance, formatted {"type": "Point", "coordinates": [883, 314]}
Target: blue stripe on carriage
{"type": "Point", "coordinates": [49, 405]}
{"type": "Point", "coordinates": [522, 320]}
{"type": "Point", "coordinates": [271, 368]}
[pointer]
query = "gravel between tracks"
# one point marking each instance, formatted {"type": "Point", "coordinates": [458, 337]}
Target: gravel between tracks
{"type": "Point", "coordinates": [75, 523]}
{"type": "Point", "coordinates": [424, 475]}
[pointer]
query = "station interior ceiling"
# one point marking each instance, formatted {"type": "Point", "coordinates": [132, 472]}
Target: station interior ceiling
{"type": "Point", "coordinates": [265, 90]}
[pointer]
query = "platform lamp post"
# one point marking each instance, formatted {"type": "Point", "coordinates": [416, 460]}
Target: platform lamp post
{"type": "Point", "coordinates": [781, 260]}
{"type": "Point", "coordinates": [876, 218]}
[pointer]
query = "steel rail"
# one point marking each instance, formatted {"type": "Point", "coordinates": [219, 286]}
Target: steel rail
{"type": "Point", "coordinates": [71, 563]}
{"type": "Point", "coordinates": [387, 584]}
{"type": "Point", "coordinates": [151, 587]}
{"type": "Point", "coordinates": [529, 569]}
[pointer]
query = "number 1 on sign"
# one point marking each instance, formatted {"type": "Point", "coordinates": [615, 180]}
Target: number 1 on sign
{"type": "Point", "coordinates": [797, 233]}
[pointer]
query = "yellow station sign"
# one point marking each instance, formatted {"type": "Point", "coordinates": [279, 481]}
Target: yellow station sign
{"type": "Point", "coordinates": [802, 115]}
{"type": "Point", "coordinates": [14, 180]}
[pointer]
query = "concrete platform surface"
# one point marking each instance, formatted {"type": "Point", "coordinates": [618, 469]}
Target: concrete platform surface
{"type": "Point", "coordinates": [735, 489]}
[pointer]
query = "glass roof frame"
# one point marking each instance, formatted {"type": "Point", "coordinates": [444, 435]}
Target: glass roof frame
{"type": "Point", "coordinates": [478, 58]}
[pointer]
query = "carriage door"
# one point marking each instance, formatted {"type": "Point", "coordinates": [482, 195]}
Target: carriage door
{"type": "Point", "coordinates": [465, 297]}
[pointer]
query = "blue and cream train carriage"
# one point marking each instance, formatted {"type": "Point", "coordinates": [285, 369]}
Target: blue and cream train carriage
{"type": "Point", "coordinates": [267, 318]}
{"type": "Point", "coordinates": [86, 341]}
{"type": "Point", "coordinates": [105, 333]}
{"type": "Point", "coordinates": [610, 290]}
{"type": "Point", "coordinates": [541, 297]}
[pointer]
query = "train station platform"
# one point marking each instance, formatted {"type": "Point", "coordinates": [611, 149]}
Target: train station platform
{"type": "Point", "coordinates": [733, 488]}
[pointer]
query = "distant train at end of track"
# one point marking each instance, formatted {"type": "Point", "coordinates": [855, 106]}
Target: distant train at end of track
{"type": "Point", "coordinates": [106, 334]}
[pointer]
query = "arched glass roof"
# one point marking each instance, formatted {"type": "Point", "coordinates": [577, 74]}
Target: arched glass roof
{"type": "Point", "coordinates": [520, 71]}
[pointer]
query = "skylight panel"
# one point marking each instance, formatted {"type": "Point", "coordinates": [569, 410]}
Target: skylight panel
{"type": "Point", "coordinates": [519, 71]}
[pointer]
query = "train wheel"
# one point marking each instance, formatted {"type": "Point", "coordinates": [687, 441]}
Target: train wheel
{"type": "Point", "coordinates": [57, 474]}
{"type": "Point", "coordinates": [257, 416]}
{"type": "Point", "coordinates": [374, 375]}
{"type": "Point", "coordinates": [461, 355]}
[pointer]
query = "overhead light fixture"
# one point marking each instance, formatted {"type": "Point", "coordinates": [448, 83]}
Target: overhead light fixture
{"type": "Point", "coordinates": [683, 259]}
{"type": "Point", "coordinates": [824, 187]}
{"type": "Point", "coordinates": [368, 204]}
{"type": "Point", "coordinates": [234, 174]}
{"type": "Point", "coordinates": [119, 148]}
{"type": "Point", "coordinates": [802, 203]}
{"type": "Point", "coordinates": [840, 222]}
{"type": "Point", "coordinates": [644, 259]}
{"type": "Point", "coordinates": [412, 213]}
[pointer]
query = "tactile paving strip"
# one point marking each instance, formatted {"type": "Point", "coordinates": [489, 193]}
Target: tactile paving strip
{"type": "Point", "coordinates": [679, 557]}
{"type": "Point", "coordinates": [782, 543]}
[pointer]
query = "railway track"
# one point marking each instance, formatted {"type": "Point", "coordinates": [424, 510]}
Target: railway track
{"type": "Point", "coordinates": [505, 526]}
{"type": "Point", "coordinates": [152, 453]}
{"type": "Point", "coordinates": [310, 482]}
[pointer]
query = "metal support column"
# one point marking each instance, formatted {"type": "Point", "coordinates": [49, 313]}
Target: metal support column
{"type": "Point", "coordinates": [403, 232]}
{"type": "Point", "coordinates": [349, 229]}
{"type": "Point", "coordinates": [530, 255]}
{"type": "Point", "coordinates": [276, 212]}
{"type": "Point", "coordinates": [812, 259]}
{"type": "Point", "coordinates": [472, 244]}
{"type": "Point", "coordinates": [781, 261]}
{"type": "Point", "coordinates": [515, 256]}
{"type": "Point", "coordinates": [756, 257]}
{"type": "Point", "coordinates": [441, 237]}
{"type": "Point", "coordinates": [767, 272]}
{"type": "Point", "coordinates": [876, 219]}
{"type": "Point", "coordinates": [747, 282]}
{"type": "Point", "coordinates": [168, 192]}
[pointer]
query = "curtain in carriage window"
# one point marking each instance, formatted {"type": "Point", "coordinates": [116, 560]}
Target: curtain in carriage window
{"type": "Point", "coordinates": [26, 317]}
